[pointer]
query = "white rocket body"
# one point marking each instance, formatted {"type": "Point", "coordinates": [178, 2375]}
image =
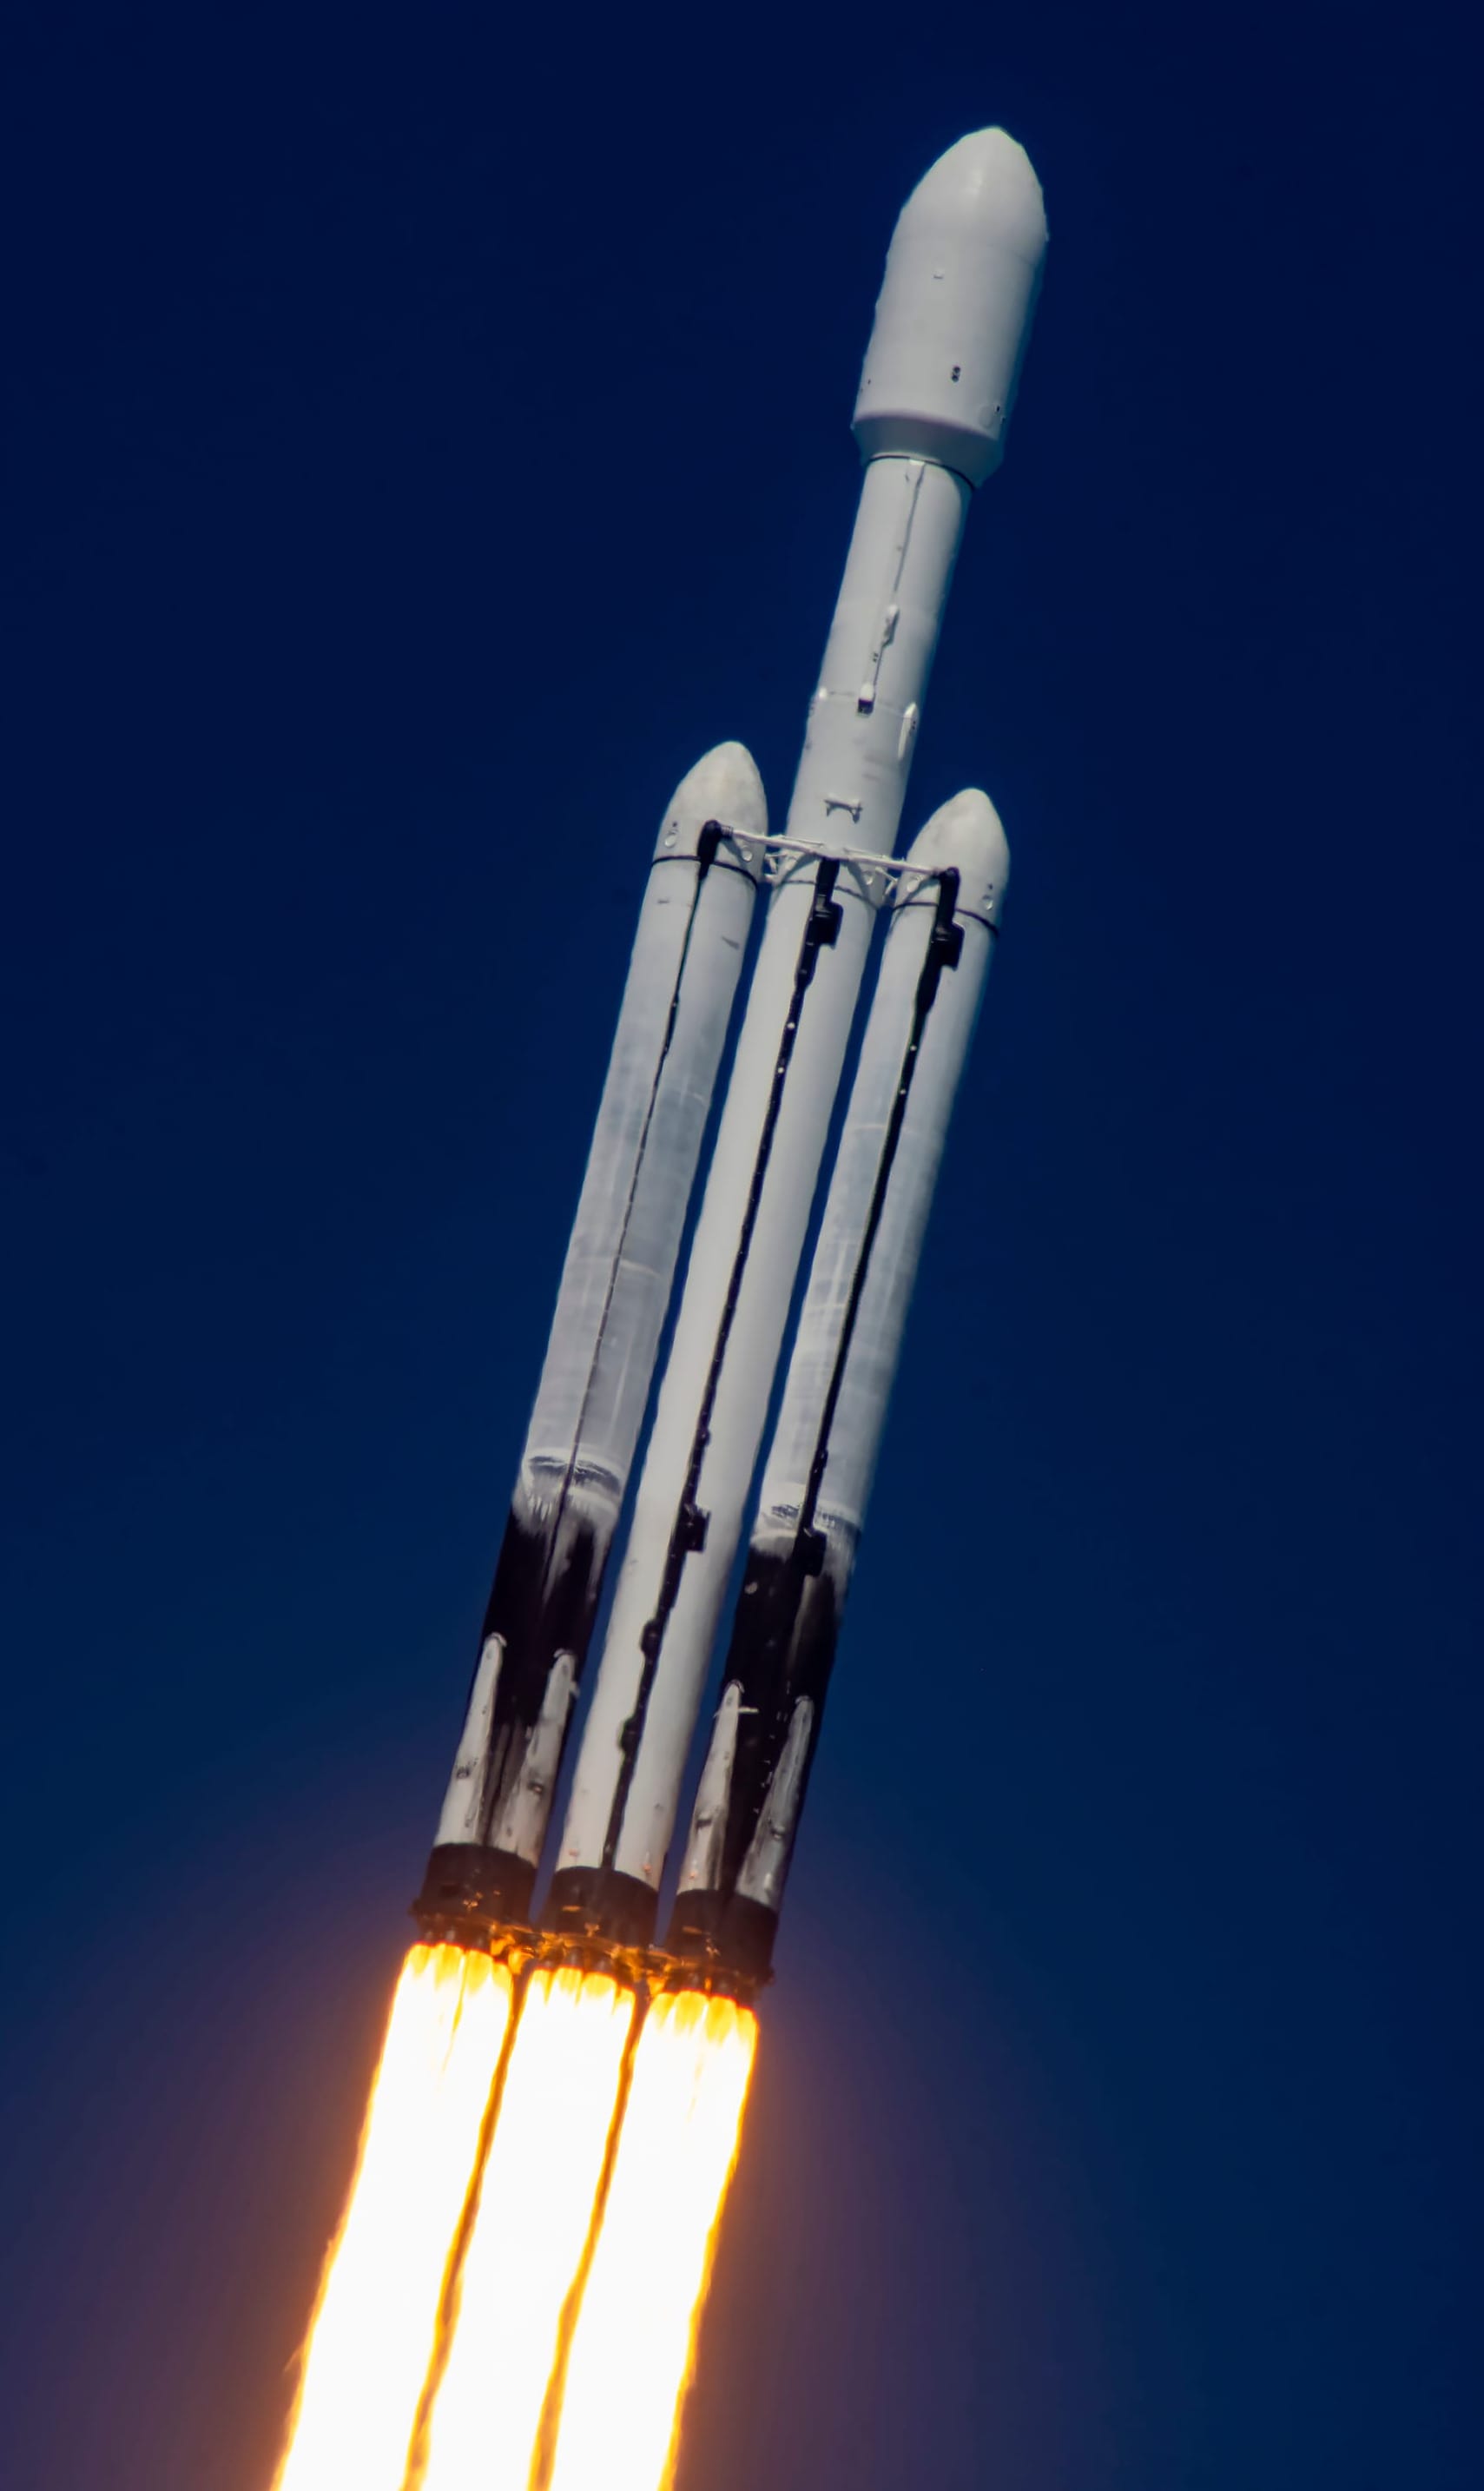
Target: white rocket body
{"type": "Point", "coordinates": [682, 975]}
{"type": "Point", "coordinates": [820, 1465]}
{"type": "Point", "coordinates": [935, 397]}
{"type": "Point", "coordinates": [594, 1387]}
{"type": "Point", "coordinates": [964, 836]}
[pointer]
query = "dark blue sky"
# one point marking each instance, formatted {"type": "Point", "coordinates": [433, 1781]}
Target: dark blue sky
{"type": "Point", "coordinates": [429, 432]}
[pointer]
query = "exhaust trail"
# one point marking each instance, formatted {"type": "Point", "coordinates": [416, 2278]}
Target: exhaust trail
{"type": "Point", "coordinates": [634, 2341]}
{"type": "Point", "coordinates": [528, 2238]}
{"type": "Point", "coordinates": [375, 2322]}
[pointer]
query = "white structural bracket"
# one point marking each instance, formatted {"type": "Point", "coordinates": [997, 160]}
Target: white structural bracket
{"type": "Point", "coordinates": [883, 879]}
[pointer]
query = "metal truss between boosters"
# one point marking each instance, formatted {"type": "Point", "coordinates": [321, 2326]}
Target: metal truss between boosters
{"type": "Point", "coordinates": [778, 856]}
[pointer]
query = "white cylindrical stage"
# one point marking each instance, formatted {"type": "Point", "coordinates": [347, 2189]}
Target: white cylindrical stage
{"type": "Point", "coordinates": [682, 975]}
{"type": "Point", "coordinates": [818, 1474]}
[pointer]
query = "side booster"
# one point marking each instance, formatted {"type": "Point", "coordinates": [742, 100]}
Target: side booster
{"type": "Point", "coordinates": [818, 1474]}
{"type": "Point", "coordinates": [682, 976]}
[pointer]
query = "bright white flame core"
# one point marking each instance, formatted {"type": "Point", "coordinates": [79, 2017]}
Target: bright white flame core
{"type": "Point", "coordinates": [631, 2352]}
{"type": "Point", "coordinates": [530, 2232]}
{"type": "Point", "coordinates": [372, 2333]}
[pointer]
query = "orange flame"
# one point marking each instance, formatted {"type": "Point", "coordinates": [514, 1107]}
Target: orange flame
{"type": "Point", "coordinates": [371, 2337]}
{"type": "Point", "coordinates": [529, 2234]}
{"type": "Point", "coordinates": [634, 2342]}
{"type": "Point", "coordinates": [530, 2326]}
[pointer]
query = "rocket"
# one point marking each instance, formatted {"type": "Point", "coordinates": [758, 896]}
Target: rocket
{"type": "Point", "coordinates": [931, 413]}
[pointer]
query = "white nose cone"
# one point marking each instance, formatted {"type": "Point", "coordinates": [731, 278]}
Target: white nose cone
{"type": "Point", "coordinates": [954, 309]}
{"type": "Point", "coordinates": [967, 833]}
{"type": "Point", "coordinates": [723, 788]}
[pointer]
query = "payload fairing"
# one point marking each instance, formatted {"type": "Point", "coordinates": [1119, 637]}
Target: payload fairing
{"type": "Point", "coordinates": [935, 399]}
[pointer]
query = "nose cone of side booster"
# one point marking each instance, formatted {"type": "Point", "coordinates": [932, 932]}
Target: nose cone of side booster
{"type": "Point", "coordinates": [966, 835]}
{"type": "Point", "coordinates": [954, 310]}
{"type": "Point", "coordinates": [723, 788]}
